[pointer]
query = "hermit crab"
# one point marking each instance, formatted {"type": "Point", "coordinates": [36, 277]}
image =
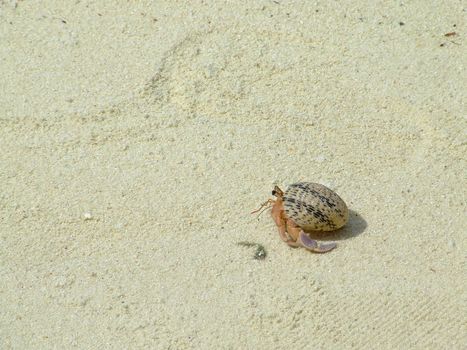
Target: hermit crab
{"type": "Point", "coordinates": [303, 207]}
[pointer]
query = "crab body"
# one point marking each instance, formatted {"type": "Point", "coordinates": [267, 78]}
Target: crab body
{"type": "Point", "coordinates": [307, 206]}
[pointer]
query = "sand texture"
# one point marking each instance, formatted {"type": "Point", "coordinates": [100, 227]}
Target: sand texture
{"type": "Point", "coordinates": [137, 137]}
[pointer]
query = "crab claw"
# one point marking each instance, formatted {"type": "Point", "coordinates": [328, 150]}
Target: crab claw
{"type": "Point", "coordinates": [310, 244]}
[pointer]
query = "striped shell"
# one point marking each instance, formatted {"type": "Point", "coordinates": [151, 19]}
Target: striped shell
{"type": "Point", "coordinates": [314, 207]}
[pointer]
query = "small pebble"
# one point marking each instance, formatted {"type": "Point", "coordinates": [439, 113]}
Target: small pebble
{"type": "Point", "coordinates": [260, 252]}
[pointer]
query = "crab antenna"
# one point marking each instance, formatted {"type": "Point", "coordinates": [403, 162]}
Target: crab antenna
{"type": "Point", "coordinates": [263, 207]}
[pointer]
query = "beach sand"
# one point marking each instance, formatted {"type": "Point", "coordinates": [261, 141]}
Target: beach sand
{"type": "Point", "coordinates": [136, 138]}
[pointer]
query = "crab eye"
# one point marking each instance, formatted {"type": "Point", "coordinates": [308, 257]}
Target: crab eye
{"type": "Point", "coordinates": [273, 192]}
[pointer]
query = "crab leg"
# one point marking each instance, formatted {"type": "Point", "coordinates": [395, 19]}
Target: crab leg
{"type": "Point", "coordinates": [281, 221]}
{"type": "Point", "coordinates": [283, 234]}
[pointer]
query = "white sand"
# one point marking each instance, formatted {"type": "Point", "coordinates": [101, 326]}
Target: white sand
{"type": "Point", "coordinates": [135, 140]}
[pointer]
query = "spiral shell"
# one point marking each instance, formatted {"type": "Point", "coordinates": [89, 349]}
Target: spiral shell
{"type": "Point", "coordinates": [314, 207]}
